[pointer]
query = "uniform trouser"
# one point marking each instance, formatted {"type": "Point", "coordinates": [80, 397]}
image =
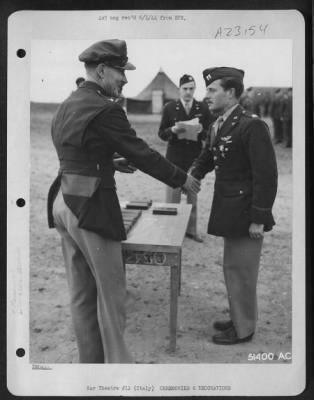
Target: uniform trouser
{"type": "Point", "coordinates": [97, 287]}
{"type": "Point", "coordinates": [174, 196]}
{"type": "Point", "coordinates": [240, 266]}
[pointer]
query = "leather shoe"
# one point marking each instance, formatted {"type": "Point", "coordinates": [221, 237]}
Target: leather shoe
{"type": "Point", "coordinates": [194, 236]}
{"type": "Point", "coordinates": [223, 325]}
{"type": "Point", "coordinates": [229, 336]}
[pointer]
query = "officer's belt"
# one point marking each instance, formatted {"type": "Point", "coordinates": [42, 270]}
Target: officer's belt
{"type": "Point", "coordinates": [92, 167]}
{"type": "Point", "coordinates": [79, 161]}
{"type": "Point", "coordinates": [71, 153]}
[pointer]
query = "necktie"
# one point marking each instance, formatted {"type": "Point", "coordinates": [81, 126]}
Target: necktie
{"type": "Point", "coordinates": [220, 121]}
{"type": "Point", "coordinates": [215, 130]}
{"type": "Point", "coordinates": [187, 107]}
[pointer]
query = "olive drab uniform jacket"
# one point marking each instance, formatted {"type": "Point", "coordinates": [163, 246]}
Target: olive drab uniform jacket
{"type": "Point", "coordinates": [87, 130]}
{"type": "Point", "coordinates": [182, 152]}
{"type": "Point", "coordinates": [243, 158]}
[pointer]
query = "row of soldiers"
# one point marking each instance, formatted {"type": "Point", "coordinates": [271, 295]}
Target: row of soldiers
{"type": "Point", "coordinates": [277, 106]}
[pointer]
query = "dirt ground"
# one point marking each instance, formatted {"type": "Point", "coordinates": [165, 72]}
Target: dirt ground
{"type": "Point", "coordinates": [203, 297]}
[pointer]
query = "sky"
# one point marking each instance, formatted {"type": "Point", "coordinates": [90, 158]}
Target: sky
{"type": "Point", "coordinates": [266, 62]}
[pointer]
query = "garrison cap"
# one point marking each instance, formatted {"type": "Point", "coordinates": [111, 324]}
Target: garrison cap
{"type": "Point", "coordinates": [186, 79]}
{"type": "Point", "coordinates": [111, 52]}
{"type": "Point", "coordinates": [212, 74]}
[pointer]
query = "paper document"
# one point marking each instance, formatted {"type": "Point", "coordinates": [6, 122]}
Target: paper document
{"type": "Point", "coordinates": [190, 129]}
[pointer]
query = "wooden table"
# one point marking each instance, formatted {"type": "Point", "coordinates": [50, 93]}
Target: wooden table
{"type": "Point", "coordinates": [157, 240]}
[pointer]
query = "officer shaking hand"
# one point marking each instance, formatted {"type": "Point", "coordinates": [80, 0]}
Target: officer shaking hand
{"type": "Point", "coordinates": [89, 128]}
{"type": "Point", "coordinates": [240, 151]}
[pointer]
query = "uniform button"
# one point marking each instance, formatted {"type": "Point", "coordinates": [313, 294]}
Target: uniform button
{"type": "Point", "coordinates": [241, 191]}
{"type": "Point", "coordinates": [214, 148]}
{"type": "Point", "coordinates": [216, 167]}
{"type": "Point", "coordinates": [215, 158]}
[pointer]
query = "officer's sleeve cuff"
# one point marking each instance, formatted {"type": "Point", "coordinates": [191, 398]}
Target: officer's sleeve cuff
{"type": "Point", "coordinates": [178, 178]}
{"type": "Point", "coordinates": [166, 134]}
{"type": "Point", "coordinates": [195, 173]}
{"type": "Point", "coordinates": [261, 216]}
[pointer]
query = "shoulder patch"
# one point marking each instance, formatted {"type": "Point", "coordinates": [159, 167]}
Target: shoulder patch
{"type": "Point", "coordinates": [249, 114]}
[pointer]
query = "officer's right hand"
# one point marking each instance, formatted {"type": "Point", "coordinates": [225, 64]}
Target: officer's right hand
{"type": "Point", "coordinates": [122, 165]}
{"type": "Point", "coordinates": [191, 184]}
{"type": "Point", "coordinates": [177, 130]}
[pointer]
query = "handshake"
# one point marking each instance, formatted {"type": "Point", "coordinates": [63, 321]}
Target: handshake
{"type": "Point", "coordinates": [191, 184]}
{"type": "Point", "coordinates": [121, 164]}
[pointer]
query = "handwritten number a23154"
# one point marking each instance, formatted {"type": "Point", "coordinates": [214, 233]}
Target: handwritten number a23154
{"type": "Point", "coordinates": [239, 30]}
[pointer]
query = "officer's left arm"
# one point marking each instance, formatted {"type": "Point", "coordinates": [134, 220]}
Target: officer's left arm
{"type": "Point", "coordinates": [264, 171]}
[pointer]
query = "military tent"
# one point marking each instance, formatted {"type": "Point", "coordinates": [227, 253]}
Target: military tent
{"type": "Point", "coordinates": [152, 99]}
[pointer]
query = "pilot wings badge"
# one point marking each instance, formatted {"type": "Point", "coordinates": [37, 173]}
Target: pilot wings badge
{"type": "Point", "coordinates": [225, 138]}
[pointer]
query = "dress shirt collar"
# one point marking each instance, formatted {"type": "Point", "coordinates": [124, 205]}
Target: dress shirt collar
{"type": "Point", "coordinates": [229, 112]}
{"type": "Point", "coordinates": [222, 118]}
{"type": "Point", "coordinates": [187, 103]}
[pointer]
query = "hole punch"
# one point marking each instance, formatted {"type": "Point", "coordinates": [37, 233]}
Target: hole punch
{"type": "Point", "coordinates": [20, 352]}
{"type": "Point", "coordinates": [20, 202]}
{"type": "Point", "coordinates": [21, 53]}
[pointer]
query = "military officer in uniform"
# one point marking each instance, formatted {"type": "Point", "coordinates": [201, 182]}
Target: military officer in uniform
{"type": "Point", "coordinates": [240, 150]}
{"type": "Point", "coordinates": [180, 150]}
{"type": "Point", "coordinates": [87, 130]}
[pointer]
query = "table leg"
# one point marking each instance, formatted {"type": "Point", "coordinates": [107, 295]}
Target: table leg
{"type": "Point", "coordinates": [174, 293]}
{"type": "Point", "coordinates": [180, 271]}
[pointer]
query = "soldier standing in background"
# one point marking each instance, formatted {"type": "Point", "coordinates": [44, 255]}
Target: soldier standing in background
{"type": "Point", "coordinates": [182, 152]}
{"type": "Point", "coordinates": [287, 118]}
{"type": "Point", "coordinates": [276, 116]}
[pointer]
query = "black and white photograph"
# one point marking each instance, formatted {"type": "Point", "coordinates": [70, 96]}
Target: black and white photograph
{"type": "Point", "coordinates": [157, 214]}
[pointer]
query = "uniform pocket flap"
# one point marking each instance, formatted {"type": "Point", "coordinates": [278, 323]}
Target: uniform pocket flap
{"type": "Point", "coordinates": [232, 190]}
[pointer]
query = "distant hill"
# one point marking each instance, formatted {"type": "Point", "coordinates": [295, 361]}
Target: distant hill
{"type": "Point", "coordinates": [43, 107]}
